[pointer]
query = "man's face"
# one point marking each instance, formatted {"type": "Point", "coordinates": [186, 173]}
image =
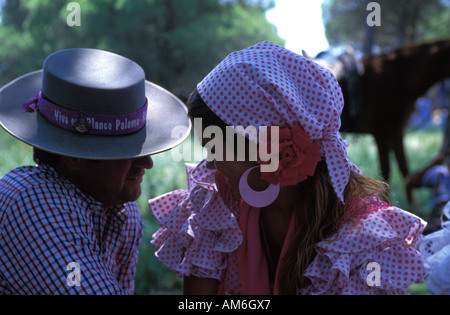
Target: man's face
{"type": "Point", "coordinates": [113, 182]}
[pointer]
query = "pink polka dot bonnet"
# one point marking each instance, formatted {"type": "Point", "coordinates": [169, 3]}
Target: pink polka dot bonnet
{"type": "Point", "coordinates": [268, 85]}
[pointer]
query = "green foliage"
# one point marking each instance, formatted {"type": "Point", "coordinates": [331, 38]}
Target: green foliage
{"type": "Point", "coordinates": [402, 21]}
{"type": "Point", "coordinates": [177, 42]}
{"type": "Point", "coordinates": [420, 146]}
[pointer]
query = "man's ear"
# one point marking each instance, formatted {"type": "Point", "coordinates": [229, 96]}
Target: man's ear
{"type": "Point", "coordinates": [71, 163]}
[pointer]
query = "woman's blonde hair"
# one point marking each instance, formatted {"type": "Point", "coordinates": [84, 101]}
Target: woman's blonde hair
{"type": "Point", "coordinates": [318, 217]}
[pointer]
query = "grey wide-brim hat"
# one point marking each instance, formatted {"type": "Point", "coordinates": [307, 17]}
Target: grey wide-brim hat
{"type": "Point", "coordinates": [90, 81]}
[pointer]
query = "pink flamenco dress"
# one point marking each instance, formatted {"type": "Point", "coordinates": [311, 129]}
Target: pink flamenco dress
{"type": "Point", "coordinates": [203, 235]}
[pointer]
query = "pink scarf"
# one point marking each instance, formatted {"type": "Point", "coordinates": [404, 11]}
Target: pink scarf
{"type": "Point", "coordinates": [252, 261]}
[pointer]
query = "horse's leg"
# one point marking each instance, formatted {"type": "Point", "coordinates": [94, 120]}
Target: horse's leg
{"type": "Point", "coordinates": [383, 154]}
{"type": "Point", "coordinates": [399, 151]}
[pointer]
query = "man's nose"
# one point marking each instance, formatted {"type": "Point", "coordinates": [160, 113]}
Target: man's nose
{"type": "Point", "coordinates": [144, 162]}
{"type": "Point", "coordinates": [211, 165]}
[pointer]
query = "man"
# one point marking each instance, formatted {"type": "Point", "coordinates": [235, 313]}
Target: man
{"type": "Point", "coordinates": [70, 224]}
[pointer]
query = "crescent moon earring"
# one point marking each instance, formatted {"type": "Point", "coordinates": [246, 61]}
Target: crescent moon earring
{"type": "Point", "coordinates": [257, 199]}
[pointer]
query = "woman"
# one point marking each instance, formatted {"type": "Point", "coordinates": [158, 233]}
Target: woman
{"type": "Point", "coordinates": [313, 225]}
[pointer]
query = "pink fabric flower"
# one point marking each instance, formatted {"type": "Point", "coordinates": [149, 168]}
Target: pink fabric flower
{"type": "Point", "coordinates": [298, 157]}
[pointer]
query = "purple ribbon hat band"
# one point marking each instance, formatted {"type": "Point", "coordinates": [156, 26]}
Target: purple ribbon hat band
{"type": "Point", "coordinates": [84, 123]}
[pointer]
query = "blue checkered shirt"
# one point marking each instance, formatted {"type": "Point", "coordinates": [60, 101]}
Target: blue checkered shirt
{"type": "Point", "coordinates": [54, 239]}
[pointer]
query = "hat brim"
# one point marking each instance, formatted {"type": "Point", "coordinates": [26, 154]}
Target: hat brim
{"type": "Point", "coordinates": [165, 112]}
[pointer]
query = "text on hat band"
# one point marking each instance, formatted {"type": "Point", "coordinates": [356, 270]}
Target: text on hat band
{"type": "Point", "coordinates": [85, 123]}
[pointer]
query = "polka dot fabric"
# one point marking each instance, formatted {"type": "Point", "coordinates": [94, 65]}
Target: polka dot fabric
{"type": "Point", "coordinates": [200, 235]}
{"type": "Point", "coordinates": [267, 85]}
{"type": "Point", "coordinates": [387, 237]}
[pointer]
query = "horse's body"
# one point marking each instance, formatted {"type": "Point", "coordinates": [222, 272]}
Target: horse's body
{"type": "Point", "coordinates": [388, 89]}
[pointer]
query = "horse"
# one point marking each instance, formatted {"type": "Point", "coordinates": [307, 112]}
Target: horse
{"type": "Point", "coordinates": [382, 98]}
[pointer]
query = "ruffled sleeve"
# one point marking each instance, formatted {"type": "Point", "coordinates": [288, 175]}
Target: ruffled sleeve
{"type": "Point", "coordinates": [377, 255]}
{"type": "Point", "coordinates": [197, 229]}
